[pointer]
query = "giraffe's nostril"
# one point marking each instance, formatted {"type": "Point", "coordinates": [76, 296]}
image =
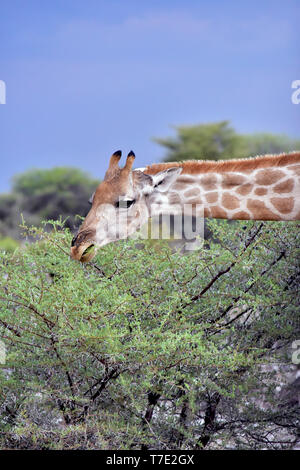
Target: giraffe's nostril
{"type": "Point", "coordinates": [73, 240]}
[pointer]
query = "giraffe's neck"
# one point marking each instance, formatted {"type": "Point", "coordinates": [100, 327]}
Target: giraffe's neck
{"type": "Point", "coordinates": [263, 188]}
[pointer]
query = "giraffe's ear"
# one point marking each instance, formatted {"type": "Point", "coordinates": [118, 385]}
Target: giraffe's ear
{"type": "Point", "coordinates": [164, 179]}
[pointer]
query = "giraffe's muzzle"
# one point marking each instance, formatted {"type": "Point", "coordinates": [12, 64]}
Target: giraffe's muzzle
{"type": "Point", "coordinates": [83, 247]}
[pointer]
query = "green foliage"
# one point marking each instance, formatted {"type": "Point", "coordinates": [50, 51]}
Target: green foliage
{"type": "Point", "coordinates": [46, 194]}
{"type": "Point", "coordinates": [37, 181]}
{"type": "Point", "coordinates": [145, 347]}
{"type": "Point", "coordinates": [219, 141]}
{"type": "Point", "coordinates": [204, 141]}
{"type": "Point", "coordinates": [263, 143]}
{"type": "Point", "coordinates": [9, 215]}
{"type": "Point", "coordinates": [8, 244]}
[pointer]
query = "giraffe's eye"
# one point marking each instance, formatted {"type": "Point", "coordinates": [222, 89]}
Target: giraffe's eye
{"type": "Point", "coordinates": [124, 204]}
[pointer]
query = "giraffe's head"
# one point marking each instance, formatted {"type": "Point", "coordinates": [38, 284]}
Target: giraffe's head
{"type": "Point", "coordinates": [121, 204]}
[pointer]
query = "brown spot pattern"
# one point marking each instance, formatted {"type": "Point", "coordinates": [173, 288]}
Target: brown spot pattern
{"type": "Point", "coordinates": [174, 198]}
{"type": "Point", "coordinates": [259, 211]}
{"type": "Point", "coordinates": [230, 202]}
{"type": "Point", "coordinates": [208, 182]}
{"type": "Point", "coordinates": [185, 179]}
{"type": "Point", "coordinates": [218, 212]}
{"type": "Point", "coordinates": [285, 187]}
{"type": "Point", "coordinates": [283, 204]}
{"type": "Point", "coordinates": [180, 186]}
{"type": "Point", "coordinates": [296, 169]}
{"type": "Point", "coordinates": [242, 215]}
{"type": "Point", "coordinates": [261, 191]}
{"type": "Point", "coordinates": [244, 189]}
{"type": "Point", "coordinates": [230, 179]}
{"type": "Point", "coordinates": [195, 200]}
{"type": "Point", "coordinates": [192, 192]}
{"type": "Point", "coordinates": [268, 177]}
{"type": "Point", "coordinates": [211, 197]}
{"type": "Point", "coordinates": [207, 212]}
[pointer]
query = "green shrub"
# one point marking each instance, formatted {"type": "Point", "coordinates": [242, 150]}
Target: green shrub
{"type": "Point", "coordinates": [8, 244]}
{"type": "Point", "coordinates": [147, 348]}
{"type": "Point", "coordinates": [41, 194]}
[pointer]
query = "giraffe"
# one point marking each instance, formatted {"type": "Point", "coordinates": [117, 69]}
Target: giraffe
{"type": "Point", "coordinates": [261, 188]}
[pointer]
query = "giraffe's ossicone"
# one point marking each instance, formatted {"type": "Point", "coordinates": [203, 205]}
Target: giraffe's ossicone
{"type": "Point", "coordinates": [260, 188]}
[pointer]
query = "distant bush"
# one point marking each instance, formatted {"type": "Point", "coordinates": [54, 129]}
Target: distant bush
{"type": "Point", "coordinates": [146, 348]}
{"type": "Point", "coordinates": [8, 244]}
{"type": "Point", "coordinates": [42, 194]}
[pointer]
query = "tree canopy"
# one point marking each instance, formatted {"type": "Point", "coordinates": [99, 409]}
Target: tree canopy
{"type": "Point", "coordinates": [219, 141]}
{"type": "Point", "coordinates": [146, 348]}
{"type": "Point", "coordinates": [42, 194]}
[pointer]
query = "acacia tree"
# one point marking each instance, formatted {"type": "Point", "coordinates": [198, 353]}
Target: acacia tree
{"type": "Point", "coordinates": [42, 194]}
{"type": "Point", "coordinates": [219, 141]}
{"type": "Point", "coordinates": [146, 348]}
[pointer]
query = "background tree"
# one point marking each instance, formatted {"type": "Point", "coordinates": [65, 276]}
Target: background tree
{"type": "Point", "coordinates": [219, 141]}
{"type": "Point", "coordinates": [262, 143]}
{"type": "Point", "coordinates": [64, 192]}
{"type": "Point", "coordinates": [46, 194]}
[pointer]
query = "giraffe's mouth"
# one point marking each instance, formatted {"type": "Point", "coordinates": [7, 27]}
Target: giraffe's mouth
{"type": "Point", "coordinates": [88, 254]}
{"type": "Point", "coordinates": [84, 252]}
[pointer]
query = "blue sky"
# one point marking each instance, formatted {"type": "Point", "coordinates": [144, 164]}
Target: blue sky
{"type": "Point", "coordinates": [85, 78]}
